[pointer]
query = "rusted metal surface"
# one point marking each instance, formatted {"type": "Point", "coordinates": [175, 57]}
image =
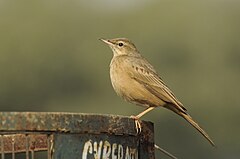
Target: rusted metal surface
{"type": "Point", "coordinates": [73, 135]}
{"type": "Point", "coordinates": [35, 142]}
{"type": "Point", "coordinates": [66, 122]}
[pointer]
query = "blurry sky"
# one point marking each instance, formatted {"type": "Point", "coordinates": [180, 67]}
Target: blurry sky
{"type": "Point", "coordinates": [51, 60]}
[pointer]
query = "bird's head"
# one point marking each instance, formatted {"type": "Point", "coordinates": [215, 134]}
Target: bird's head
{"type": "Point", "coordinates": [121, 46]}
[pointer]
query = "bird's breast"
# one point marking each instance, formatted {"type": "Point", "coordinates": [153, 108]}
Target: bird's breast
{"type": "Point", "coordinates": [120, 79]}
{"type": "Point", "coordinates": [127, 87]}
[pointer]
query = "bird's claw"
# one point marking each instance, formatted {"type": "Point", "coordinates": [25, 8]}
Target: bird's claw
{"type": "Point", "coordinates": [137, 124]}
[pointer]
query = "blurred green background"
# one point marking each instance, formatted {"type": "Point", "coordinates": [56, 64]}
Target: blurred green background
{"type": "Point", "coordinates": [51, 60]}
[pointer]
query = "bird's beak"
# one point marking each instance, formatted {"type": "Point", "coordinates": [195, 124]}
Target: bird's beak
{"type": "Point", "coordinates": [106, 41]}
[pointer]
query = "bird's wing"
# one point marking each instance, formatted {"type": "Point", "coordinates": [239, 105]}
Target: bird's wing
{"type": "Point", "coordinates": [144, 73]}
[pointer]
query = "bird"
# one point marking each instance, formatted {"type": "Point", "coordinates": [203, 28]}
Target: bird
{"type": "Point", "coordinates": [135, 80]}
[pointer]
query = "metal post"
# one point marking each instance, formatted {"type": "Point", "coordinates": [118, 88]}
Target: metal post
{"type": "Point", "coordinates": [74, 135]}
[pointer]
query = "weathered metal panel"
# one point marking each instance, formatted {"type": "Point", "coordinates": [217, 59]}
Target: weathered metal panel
{"type": "Point", "coordinates": [75, 136]}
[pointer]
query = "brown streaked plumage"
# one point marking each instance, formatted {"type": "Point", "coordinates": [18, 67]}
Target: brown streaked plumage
{"type": "Point", "coordinates": [135, 79]}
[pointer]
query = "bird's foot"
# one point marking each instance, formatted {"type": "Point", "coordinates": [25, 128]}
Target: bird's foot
{"type": "Point", "coordinates": [137, 124]}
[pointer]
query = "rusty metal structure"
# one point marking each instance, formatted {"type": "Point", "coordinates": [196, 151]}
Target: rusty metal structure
{"type": "Point", "coordinates": [32, 135]}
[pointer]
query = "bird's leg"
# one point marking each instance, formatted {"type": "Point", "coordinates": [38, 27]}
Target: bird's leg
{"type": "Point", "coordinates": [137, 121]}
{"type": "Point", "coordinates": [144, 112]}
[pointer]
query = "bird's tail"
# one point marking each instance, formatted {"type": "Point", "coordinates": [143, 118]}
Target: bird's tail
{"type": "Point", "coordinates": [188, 118]}
{"type": "Point", "coordinates": [195, 125]}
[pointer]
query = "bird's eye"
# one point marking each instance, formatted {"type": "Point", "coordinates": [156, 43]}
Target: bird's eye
{"type": "Point", "coordinates": [120, 44]}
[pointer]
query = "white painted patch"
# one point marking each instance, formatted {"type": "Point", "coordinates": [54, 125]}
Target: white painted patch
{"type": "Point", "coordinates": [107, 150]}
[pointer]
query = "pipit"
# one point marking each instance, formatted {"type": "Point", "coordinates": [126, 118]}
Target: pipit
{"type": "Point", "coordinates": [136, 80]}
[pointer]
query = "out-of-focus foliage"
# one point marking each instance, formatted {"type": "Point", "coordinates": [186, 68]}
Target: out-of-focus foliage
{"type": "Point", "coordinates": [51, 60]}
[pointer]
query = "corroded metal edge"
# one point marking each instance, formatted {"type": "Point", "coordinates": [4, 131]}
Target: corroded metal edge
{"type": "Point", "coordinates": [67, 122]}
